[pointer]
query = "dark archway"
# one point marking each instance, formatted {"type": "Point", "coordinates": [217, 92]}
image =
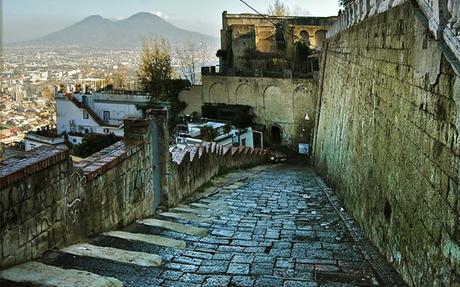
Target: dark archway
{"type": "Point", "coordinates": [276, 135]}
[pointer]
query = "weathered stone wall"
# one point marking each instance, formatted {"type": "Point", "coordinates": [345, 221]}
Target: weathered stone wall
{"type": "Point", "coordinates": [388, 141]}
{"type": "Point", "coordinates": [193, 98]}
{"type": "Point", "coordinates": [196, 165]}
{"type": "Point", "coordinates": [281, 102]}
{"type": "Point", "coordinates": [46, 202]}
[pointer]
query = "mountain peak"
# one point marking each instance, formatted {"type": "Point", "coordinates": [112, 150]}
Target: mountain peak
{"type": "Point", "coordinates": [96, 31]}
{"type": "Point", "coordinates": [144, 15]}
{"type": "Point", "coordinates": [94, 18]}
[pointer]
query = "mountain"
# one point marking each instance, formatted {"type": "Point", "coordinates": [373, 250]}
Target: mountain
{"type": "Point", "coordinates": [98, 32]}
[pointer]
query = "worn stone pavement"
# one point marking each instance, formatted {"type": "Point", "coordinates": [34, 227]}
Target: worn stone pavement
{"type": "Point", "coordinates": [269, 226]}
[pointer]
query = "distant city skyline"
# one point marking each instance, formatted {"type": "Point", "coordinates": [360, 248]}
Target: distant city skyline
{"type": "Point", "coordinates": [28, 19]}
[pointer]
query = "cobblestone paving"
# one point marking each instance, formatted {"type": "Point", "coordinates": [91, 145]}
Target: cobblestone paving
{"type": "Point", "coordinates": [271, 226]}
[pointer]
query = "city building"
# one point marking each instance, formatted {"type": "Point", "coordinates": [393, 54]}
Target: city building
{"type": "Point", "coordinates": [212, 131]}
{"type": "Point", "coordinates": [80, 112]}
{"type": "Point", "coordinates": [42, 137]}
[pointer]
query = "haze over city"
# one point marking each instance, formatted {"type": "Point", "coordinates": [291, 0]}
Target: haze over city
{"type": "Point", "coordinates": [28, 19]}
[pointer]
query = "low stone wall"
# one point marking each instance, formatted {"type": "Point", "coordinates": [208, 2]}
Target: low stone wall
{"type": "Point", "coordinates": [46, 202]}
{"type": "Point", "coordinates": [196, 165]}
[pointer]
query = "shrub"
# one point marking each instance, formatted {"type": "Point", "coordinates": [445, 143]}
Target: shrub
{"type": "Point", "coordinates": [93, 143]}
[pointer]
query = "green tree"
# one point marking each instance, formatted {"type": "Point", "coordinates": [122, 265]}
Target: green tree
{"type": "Point", "coordinates": [93, 143]}
{"type": "Point", "coordinates": [155, 67]}
{"type": "Point", "coordinates": [278, 9]}
{"type": "Point", "coordinates": [155, 75]}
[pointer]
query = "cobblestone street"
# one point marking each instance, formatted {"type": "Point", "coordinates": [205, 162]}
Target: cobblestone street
{"type": "Point", "coordinates": [268, 226]}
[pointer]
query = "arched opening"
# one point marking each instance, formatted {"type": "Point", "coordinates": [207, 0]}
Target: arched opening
{"type": "Point", "coordinates": [320, 36]}
{"type": "Point", "coordinates": [276, 136]}
{"type": "Point", "coordinates": [304, 37]}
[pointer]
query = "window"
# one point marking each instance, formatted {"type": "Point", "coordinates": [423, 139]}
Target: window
{"type": "Point", "coordinates": [243, 142]}
{"type": "Point", "coordinates": [74, 140]}
{"type": "Point", "coordinates": [85, 115]}
{"type": "Point", "coordinates": [106, 131]}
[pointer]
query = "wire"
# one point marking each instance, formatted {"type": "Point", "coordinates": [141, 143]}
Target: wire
{"type": "Point", "coordinates": [260, 14]}
{"type": "Point", "coordinates": [274, 24]}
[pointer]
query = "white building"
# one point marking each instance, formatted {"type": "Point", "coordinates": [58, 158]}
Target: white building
{"type": "Point", "coordinates": [33, 140]}
{"type": "Point", "coordinates": [225, 134]}
{"type": "Point", "coordinates": [79, 113]}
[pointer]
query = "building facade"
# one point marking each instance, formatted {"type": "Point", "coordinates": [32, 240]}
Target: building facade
{"type": "Point", "coordinates": [80, 113]}
{"type": "Point", "coordinates": [271, 65]}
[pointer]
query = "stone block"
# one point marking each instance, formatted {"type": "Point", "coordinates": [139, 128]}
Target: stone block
{"type": "Point", "coordinates": [10, 241]}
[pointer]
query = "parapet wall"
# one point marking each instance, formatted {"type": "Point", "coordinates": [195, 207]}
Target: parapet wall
{"type": "Point", "coordinates": [46, 202]}
{"type": "Point", "coordinates": [196, 165]}
{"type": "Point", "coordinates": [388, 141]}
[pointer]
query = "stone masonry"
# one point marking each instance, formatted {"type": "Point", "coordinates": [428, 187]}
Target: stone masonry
{"type": "Point", "coordinates": [263, 230]}
{"type": "Point", "coordinates": [388, 140]}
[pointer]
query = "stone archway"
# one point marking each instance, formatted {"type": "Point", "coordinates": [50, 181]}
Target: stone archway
{"type": "Point", "coordinates": [320, 36]}
{"type": "Point", "coordinates": [218, 93]}
{"type": "Point", "coordinates": [245, 96]}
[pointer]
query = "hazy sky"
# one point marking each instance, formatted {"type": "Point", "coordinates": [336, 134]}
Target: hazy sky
{"type": "Point", "coordinates": [27, 19]}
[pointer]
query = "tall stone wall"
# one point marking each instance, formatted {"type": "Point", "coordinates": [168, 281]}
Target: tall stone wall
{"type": "Point", "coordinates": [47, 202]}
{"type": "Point", "coordinates": [388, 141]}
{"type": "Point", "coordinates": [281, 102]}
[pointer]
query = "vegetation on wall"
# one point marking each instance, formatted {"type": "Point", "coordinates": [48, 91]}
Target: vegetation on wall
{"type": "Point", "coordinates": [93, 143]}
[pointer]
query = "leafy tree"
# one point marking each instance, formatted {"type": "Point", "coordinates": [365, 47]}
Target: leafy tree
{"type": "Point", "coordinates": [155, 75]}
{"type": "Point", "coordinates": [278, 9]}
{"type": "Point", "coordinates": [155, 67]}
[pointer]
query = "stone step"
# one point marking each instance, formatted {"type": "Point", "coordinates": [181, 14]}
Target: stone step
{"type": "Point", "coordinates": [190, 210]}
{"type": "Point", "coordinates": [182, 228]}
{"type": "Point", "coordinates": [150, 239]}
{"type": "Point", "coordinates": [196, 204]}
{"type": "Point", "coordinates": [40, 274]}
{"type": "Point", "coordinates": [119, 255]}
{"type": "Point", "coordinates": [185, 216]}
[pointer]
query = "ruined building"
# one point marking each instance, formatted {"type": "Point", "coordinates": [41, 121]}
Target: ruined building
{"type": "Point", "coordinates": [269, 64]}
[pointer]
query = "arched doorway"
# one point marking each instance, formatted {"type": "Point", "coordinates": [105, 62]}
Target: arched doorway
{"type": "Point", "coordinates": [276, 135]}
